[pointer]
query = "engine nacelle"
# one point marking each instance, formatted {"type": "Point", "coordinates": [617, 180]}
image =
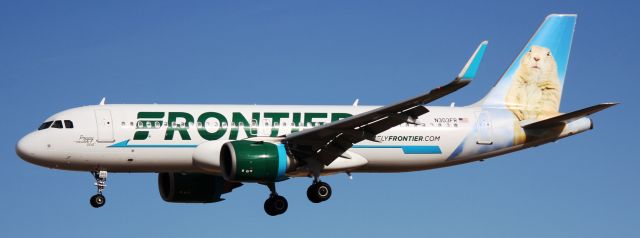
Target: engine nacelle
{"type": "Point", "coordinates": [207, 156]}
{"type": "Point", "coordinates": [254, 161]}
{"type": "Point", "coordinates": [193, 187]}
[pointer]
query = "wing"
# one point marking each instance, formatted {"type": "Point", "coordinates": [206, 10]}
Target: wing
{"type": "Point", "coordinates": [328, 142]}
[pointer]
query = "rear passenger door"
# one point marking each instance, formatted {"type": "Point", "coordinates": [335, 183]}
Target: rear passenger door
{"type": "Point", "coordinates": [484, 129]}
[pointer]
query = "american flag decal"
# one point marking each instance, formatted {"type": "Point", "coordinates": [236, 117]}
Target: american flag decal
{"type": "Point", "coordinates": [463, 120]}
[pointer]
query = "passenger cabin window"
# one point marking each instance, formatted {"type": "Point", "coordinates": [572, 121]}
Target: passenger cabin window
{"type": "Point", "coordinates": [68, 124]}
{"type": "Point", "coordinates": [57, 124]}
{"type": "Point", "coordinates": [45, 125]}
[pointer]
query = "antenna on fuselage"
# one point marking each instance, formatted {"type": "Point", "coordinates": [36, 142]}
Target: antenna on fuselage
{"type": "Point", "coordinates": [355, 103]}
{"type": "Point", "coordinates": [102, 101]}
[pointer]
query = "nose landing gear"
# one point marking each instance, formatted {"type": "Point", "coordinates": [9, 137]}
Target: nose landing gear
{"type": "Point", "coordinates": [99, 200]}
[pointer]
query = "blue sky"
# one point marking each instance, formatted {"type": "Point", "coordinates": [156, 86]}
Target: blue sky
{"type": "Point", "coordinates": [56, 55]}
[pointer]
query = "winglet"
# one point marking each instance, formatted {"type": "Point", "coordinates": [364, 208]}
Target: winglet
{"type": "Point", "coordinates": [471, 68]}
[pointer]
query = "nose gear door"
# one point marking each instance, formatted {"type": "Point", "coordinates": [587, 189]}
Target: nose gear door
{"type": "Point", "coordinates": [105, 125]}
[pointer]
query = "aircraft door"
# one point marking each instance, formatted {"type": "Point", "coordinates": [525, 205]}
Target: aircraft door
{"type": "Point", "coordinates": [105, 125]}
{"type": "Point", "coordinates": [484, 128]}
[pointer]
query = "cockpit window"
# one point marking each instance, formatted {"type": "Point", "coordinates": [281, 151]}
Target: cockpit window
{"type": "Point", "coordinates": [45, 125]}
{"type": "Point", "coordinates": [68, 124]}
{"type": "Point", "coordinates": [57, 124]}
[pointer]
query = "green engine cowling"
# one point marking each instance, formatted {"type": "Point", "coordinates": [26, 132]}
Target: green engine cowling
{"type": "Point", "coordinates": [254, 161]}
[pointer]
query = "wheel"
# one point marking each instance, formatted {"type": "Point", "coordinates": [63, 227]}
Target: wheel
{"type": "Point", "coordinates": [276, 205]}
{"type": "Point", "coordinates": [319, 192]}
{"type": "Point", "coordinates": [97, 200]}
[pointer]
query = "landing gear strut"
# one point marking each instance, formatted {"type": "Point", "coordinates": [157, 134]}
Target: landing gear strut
{"type": "Point", "coordinates": [275, 204]}
{"type": "Point", "coordinates": [99, 200]}
{"type": "Point", "coordinates": [319, 191]}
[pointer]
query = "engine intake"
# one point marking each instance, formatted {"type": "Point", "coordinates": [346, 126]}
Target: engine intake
{"type": "Point", "coordinates": [193, 187]}
{"type": "Point", "coordinates": [254, 161]}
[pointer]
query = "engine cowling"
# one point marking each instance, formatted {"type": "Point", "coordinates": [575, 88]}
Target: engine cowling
{"type": "Point", "coordinates": [207, 156]}
{"type": "Point", "coordinates": [254, 161]}
{"type": "Point", "coordinates": [193, 187]}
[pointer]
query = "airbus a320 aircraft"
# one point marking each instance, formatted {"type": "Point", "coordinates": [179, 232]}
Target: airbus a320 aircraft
{"type": "Point", "coordinates": [203, 151]}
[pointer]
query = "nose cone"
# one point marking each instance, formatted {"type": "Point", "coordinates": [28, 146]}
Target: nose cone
{"type": "Point", "coordinates": [27, 148]}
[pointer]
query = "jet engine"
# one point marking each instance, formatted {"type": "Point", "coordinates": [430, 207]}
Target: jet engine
{"type": "Point", "coordinates": [193, 187]}
{"type": "Point", "coordinates": [254, 161]}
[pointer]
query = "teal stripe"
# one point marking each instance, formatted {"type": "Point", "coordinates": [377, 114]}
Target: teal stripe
{"type": "Point", "coordinates": [282, 161]}
{"type": "Point", "coordinates": [125, 144]}
{"type": "Point", "coordinates": [159, 146]}
{"type": "Point", "coordinates": [282, 153]}
{"type": "Point", "coordinates": [407, 149]}
{"type": "Point", "coordinates": [421, 150]}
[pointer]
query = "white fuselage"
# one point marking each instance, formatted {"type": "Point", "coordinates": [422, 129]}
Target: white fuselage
{"type": "Point", "coordinates": [163, 138]}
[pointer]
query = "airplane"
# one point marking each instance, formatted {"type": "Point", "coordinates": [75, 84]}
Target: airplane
{"type": "Point", "coordinates": [201, 152]}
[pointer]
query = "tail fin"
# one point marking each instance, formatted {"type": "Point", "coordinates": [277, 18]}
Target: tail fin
{"type": "Point", "coordinates": [532, 86]}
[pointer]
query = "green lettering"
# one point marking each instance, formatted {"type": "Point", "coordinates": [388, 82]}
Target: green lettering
{"type": "Point", "coordinates": [143, 135]}
{"type": "Point", "coordinates": [150, 115]}
{"type": "Point", "coordinates": [182, 130]}
{"type": "Point", "coordinates": [275, 118]}
{"type": "Point", "coordinates": [240, 121]}
{"type": "Point", "coordinates": [296, 122]}
{"type": "Point", "coordinates": [309, 116]}
{"type": "Point", "coordinates": [339, 115]}
{"type": "Point", "coordinates": [202, 119]}
{"type": "Point", "coordinates": [140, 135]}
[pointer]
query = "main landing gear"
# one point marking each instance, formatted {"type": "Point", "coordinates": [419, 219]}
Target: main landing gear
{"type": "Point", "coordinates": [319, 191]}
{"type": "Point", "coordinates": [99, 200]}
{"type": "Point", "coordinates": [275, 204]}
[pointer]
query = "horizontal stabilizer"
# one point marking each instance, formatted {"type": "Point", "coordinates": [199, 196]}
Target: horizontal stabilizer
{"type": "Point", "coordinates": [568, 117]}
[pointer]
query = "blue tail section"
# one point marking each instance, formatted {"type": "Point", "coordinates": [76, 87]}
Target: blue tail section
{"type": "Point", "coordinates": [532, 86]}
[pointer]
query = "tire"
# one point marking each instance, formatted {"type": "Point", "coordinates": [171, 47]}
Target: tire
{"type": "Point", "coordinates": [276, 205]}
{"type": "Point", "coordinates": [319, 192]}
{"type": "Point", "coordinates": [97, 200]}
{"type": "Point", "coordinates": [323, 191]}
{"type": "Point", "coordinates": [280, 204]}
{"type": "Point", "coordinates": [311, 194]}
{"type": "Point", "coordinates": [268, 208]}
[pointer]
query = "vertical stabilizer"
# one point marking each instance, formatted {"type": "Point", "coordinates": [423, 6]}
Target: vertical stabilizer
{"type": "Point", "coordinates": [532, 86]}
